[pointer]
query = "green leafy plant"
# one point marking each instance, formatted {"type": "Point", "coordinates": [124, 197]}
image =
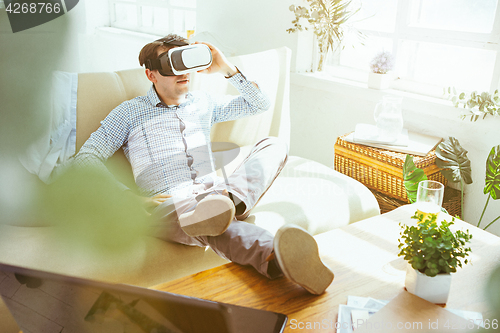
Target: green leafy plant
{"type": "Point", "coordinates": [454, 164]}
{"type": "Point", "coordinates": [411, 177]}
{"type": "Point", "coordinates": [452, 160]}
{"type": "Point", "coordinates": [328, 21]}
{"type": "Point", "coordinates": [478, 104]}
{"type": "Point", "coordinates": [492, 181]}
{"type": "Point", "coordinates": [433, 248]}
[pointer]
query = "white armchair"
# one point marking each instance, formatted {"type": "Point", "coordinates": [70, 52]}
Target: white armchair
{"type": "Point", "coordinates": [306, 193]}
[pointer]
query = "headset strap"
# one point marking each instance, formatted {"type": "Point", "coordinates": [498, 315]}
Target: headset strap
{"type": "Point", "coordinates": [153, 64]}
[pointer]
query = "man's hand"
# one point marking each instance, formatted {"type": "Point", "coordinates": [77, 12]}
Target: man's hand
{"type": "Point", "coordinates": [153, 202]}
{"type": "Point", "coordinates": [149, 203]}
{"type": "Point", "coordinates": [220, 64]}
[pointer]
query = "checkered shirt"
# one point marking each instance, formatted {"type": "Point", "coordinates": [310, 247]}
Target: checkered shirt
{"type": "Point", "coordinates": [169, 146]}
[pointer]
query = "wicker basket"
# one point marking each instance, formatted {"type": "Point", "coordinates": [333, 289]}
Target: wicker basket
{"type": "Point", "coordinates": [451, 202]}
{"type": "Point", "coordinates": [379, 169]}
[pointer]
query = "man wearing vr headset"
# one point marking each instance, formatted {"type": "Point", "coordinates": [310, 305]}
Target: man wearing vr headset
{"type": "Point", "coordinates": [166, 137]}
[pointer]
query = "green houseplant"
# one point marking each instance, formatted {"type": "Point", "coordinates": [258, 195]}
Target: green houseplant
{"type": "Point", "coordinates": [411, 177]}
{"type": "Point", "coordinates": [327, 18]}
{"type": "Point", "coordinates": [492, 181]}
{"type": "Point", "coordinates": [478, 104]}
{"type": "Point", "coordinates": [432, 248]}
{"type": "Point", "coordinates": [454, 164]}
{"type": "Point", "coordinates": [452, 159]}
{"type": "Point", "coordinates": [433, 251]}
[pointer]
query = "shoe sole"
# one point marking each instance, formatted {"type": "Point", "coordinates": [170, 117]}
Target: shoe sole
{"type": "Point", "coordinates": [211, 217]}
{"type": "Point", "coordinates": [298, 257]}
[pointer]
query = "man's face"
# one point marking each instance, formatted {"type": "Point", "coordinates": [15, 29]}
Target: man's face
{"type": "Point", "coordinates": [169, 88]}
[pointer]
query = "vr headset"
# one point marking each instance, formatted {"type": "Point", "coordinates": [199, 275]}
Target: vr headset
{"type": "Point", "coordinates": [182, 59]}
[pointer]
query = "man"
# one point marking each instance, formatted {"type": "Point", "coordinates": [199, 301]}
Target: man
{"type": "Point", "coordinates": [166, 138]}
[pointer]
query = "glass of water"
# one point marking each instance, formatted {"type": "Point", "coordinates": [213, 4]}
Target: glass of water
{"type": "Point", "coordinates": [429, 197]}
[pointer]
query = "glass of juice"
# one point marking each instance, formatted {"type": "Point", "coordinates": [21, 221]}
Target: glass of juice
{"type": "Point", "coordinates": [429, 197]}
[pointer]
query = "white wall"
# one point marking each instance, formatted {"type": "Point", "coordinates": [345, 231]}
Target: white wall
{"type": "Point", "coordinates": [247, 26]}
{"type": "Point", "coordinates": [109, 49]}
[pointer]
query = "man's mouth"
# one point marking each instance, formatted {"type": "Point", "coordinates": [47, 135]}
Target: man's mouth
{"type": "Point", "coordinates": [183, 81]}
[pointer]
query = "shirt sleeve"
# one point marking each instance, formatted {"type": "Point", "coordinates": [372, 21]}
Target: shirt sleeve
{"type": "Point", "coordinates": [106, 140]}
{"type": "Point", "coordinates": [251, 101]}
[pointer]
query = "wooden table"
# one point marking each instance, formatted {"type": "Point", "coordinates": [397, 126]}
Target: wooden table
{"type": "Point", "coordinates": [363, 257]}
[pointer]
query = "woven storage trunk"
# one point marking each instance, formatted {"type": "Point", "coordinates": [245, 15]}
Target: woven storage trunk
{"type": "Point", "coordinates": [379, 169]}
{"type": "Point", "coordinates": [451, 202]}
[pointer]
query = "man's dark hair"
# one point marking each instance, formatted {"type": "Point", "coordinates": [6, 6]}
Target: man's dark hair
{"type": "Point", "coordinates": [150, 50]}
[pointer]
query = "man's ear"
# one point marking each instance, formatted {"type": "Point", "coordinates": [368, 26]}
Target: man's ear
{"type": "Point", "coordinates": [151, 75]}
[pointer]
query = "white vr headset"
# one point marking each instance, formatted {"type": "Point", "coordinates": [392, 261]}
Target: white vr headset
{"type": "Point", "coordinates": [182, 59]}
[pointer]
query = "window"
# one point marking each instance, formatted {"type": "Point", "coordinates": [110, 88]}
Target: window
{"type": "Point", "coordinates": [158, 17]}
{"type": "Point", "coordinates": [436, 44]}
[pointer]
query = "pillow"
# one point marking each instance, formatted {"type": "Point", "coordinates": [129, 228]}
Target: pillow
{"type": "Point", "coordinates": [58, 143]}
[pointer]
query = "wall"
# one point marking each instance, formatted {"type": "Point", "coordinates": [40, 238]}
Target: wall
{"type": "Point", "coordinates": [109, 49]}
{"type": "Point", "coordinates": [248, 26]}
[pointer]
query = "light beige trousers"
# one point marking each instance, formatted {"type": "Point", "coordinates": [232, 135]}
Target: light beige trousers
{"type": "Point", "coordinates": [243, 243]}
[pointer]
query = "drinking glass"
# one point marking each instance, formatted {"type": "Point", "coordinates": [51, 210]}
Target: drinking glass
{"type": "Point", "coordinates": [429, 197]}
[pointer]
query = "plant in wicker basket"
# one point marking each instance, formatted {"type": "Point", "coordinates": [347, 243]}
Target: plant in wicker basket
{"type": "Point", "coordinates": [433, 248]}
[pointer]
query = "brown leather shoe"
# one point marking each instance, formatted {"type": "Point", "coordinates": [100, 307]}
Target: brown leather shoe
{"type": "Point", "coordinates": [298, 258]}
{"type": "Point", "coordinates": [211, 217]}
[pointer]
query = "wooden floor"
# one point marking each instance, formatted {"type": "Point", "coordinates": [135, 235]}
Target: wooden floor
{"type": "Point", "coordinates": [363, 257]}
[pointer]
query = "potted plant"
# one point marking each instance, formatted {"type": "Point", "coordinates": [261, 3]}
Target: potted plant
{"type": "Point", "coordinates": [411, 177]}
{"type": "Point", "coordinates": [452, 160]}
{"type": "Point", "coordinates": [433, 252]}
{"type": "Point", "coordinates": [328, 21]}
{"type": "Point", "coordinates": [478, 104]}
{"type": "Point", "coordinates": [380, 67]}
{"type": "Point", "coordinates": [454, 164]}
{"type": "Point", "coordinates": [492, 181]}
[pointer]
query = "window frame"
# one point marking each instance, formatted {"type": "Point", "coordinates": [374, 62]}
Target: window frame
{"type": "Point", "coordinates": [405, 31]}
{"type": "Point", "coordinates": [149, 3]}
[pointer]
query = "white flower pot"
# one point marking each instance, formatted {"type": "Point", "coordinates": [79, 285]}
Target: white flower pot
{"type": "Point", "coordinates": [379, 81]}
{"type": "Point", "coordinates": [433, 289]}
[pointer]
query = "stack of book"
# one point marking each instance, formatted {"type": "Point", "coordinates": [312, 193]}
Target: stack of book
{"type": "Point", "coordinates": [408, 142]}
{"type": "Point", "coordinates": [405, 313]}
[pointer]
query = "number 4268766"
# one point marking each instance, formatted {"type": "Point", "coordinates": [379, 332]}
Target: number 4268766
{"type": "Point", "coordinates": [33, 8]}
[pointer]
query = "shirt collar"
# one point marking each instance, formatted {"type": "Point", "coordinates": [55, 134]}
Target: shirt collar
{"type": "Point", "coordinates": [155, 100]}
